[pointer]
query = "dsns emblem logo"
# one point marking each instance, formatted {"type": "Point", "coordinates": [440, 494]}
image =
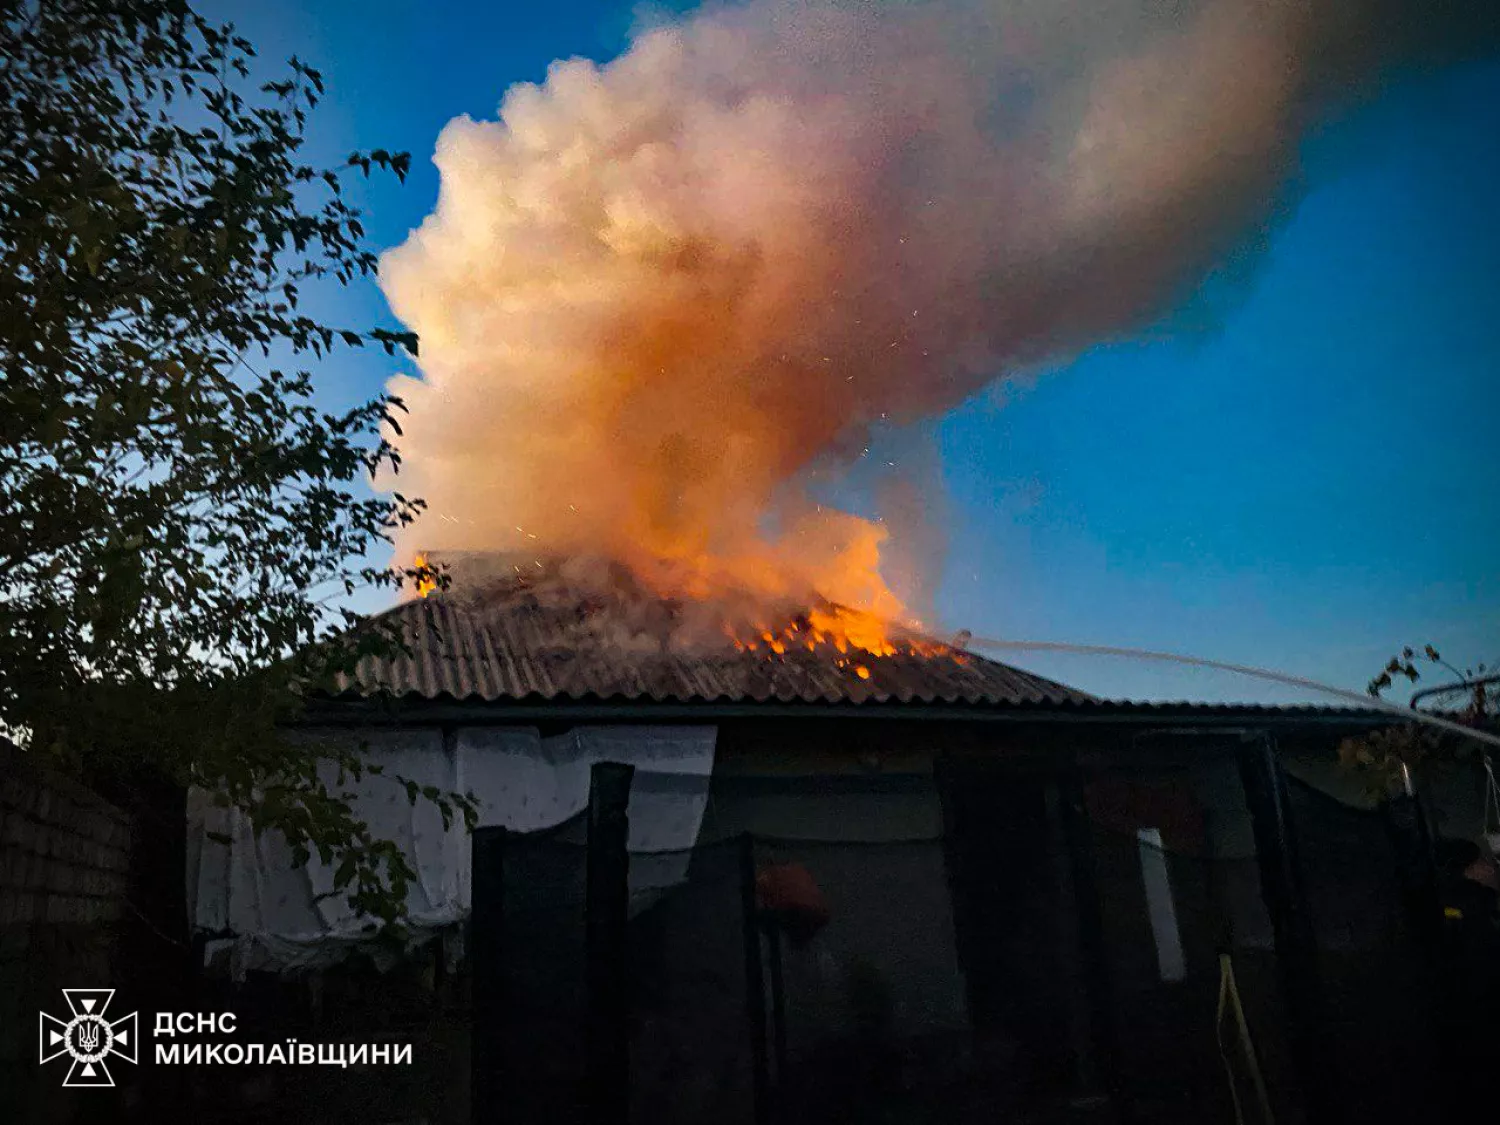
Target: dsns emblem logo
{"type": "Point", "coordinates": [88, 1037]}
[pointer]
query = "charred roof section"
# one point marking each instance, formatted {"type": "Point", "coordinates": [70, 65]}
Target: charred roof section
{"type": "Point", "coordinates": [526, 643]}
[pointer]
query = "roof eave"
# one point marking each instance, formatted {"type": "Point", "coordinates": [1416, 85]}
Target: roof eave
{"type": "Point", "coordinates": [385, 710]}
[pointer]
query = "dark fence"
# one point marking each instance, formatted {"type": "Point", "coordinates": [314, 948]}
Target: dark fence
{"type": "Point", "coordinates": [1125, 962]}
{"type": "Point", "coordinates": [696, 1041]}
{"type": "Point", "coordinates": [1177, 924]}
{"type": "Point", "coordinates": [543, 1025]}
{"type": "Point", "coordinates": [1379, 1017]}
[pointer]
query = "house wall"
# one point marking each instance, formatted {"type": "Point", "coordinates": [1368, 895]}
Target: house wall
{"type": "Point", "coordinates": [65, 860]}
{"type": "Point", "coordinates": [847, 808]}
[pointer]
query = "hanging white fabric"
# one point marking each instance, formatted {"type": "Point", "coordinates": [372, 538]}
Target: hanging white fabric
{"type": "Point", "coordinates": [285, 918]}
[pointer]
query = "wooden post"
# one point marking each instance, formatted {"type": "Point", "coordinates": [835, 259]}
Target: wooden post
{"type": "Point", "coordinates": [778, 1006]}
{"type": "Point", "coordinates": [158, 942]}
{"type": "Point", "coordinates": [1437, 1067]}
{"type": "Point", "coordinates": [1291, 925]}
{"type": "Point", "coordinates": [1104, 1035]}
{"type": "Point", "coordinates": [608, 910]}
{"type": "Point", "coordinates": [486, 958]}
{"type": "Point", "coordinates": [755, 985]}
{"type": "Point", "coordinates": [1411, 840]}
{"type": "Point", "coordinates": [1086, 1078]}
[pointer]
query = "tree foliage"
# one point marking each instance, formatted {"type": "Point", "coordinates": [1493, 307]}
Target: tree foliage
{"type": "Point", "coordinates": [179, 519]}
{"type": "Point", "coordinates": [1384, 756]}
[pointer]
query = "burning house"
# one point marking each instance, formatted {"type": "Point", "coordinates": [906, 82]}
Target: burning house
{"type": "Point", "coordinates": [663, 302]}
{"type": "Point", "coordinates": [1021, 890]}
{"type": "Point", "coordinates": [511, 685]}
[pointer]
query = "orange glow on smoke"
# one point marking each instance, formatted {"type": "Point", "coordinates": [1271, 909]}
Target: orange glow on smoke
{"type": "Point", "coordinates": [661, 298]}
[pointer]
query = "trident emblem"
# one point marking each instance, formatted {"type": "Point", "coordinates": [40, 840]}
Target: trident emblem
{"type": "Point", "coordinates": [87, 1037]}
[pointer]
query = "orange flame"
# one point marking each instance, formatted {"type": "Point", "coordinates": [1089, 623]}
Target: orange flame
{"type": "Point", "coordinates": [704, 606]}
{"type": "Point", "coordinates": [839, 631]}
{"type": "Point", "coordinates": [426, 584]}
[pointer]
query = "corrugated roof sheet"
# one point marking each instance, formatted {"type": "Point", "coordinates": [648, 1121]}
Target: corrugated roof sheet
{"type": "Point", "coordinates": [1186, 710]}
{"type": "Point", "coordinates": [519, 643]}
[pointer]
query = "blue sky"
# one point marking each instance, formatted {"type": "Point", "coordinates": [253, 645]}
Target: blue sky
{"type": "Point", "coordinates": [1303, 477]}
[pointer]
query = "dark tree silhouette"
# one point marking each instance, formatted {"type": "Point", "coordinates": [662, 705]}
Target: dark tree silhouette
{"type": "Point", "coordinates": [178, 519]}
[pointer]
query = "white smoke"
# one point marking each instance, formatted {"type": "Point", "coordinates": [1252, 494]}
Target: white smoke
{"type": "Point", "coordinates": [656, 292]}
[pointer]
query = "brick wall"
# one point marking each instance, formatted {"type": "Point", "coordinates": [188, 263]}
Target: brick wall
{"type": "Point", "coordinates": [65, 863]}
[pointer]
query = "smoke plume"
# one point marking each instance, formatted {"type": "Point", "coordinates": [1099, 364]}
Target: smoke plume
{"type": "Point", "coordinates": [658, 294]}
